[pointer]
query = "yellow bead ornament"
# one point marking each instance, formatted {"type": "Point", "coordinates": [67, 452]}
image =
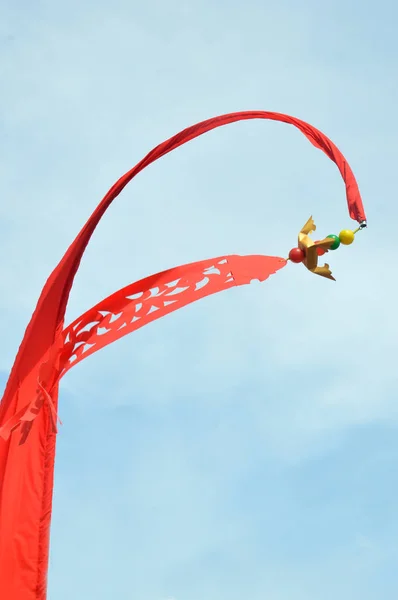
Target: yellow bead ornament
{"type": "Point", "coordinates": [346, 237]}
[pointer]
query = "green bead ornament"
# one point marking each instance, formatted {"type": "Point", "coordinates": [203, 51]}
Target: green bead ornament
{"type": "Point", "coordinates": [336, 242]}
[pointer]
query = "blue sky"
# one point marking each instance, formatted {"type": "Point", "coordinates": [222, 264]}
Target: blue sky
{"type": "Point", "coordinates": [246, 446]}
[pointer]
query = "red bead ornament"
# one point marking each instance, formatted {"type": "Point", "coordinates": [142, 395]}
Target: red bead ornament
{"type": "Point", "coordinates": [296, 255]}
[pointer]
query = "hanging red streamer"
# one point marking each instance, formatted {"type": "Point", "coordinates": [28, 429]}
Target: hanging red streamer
{"type": "Point", "coordinates": [30, 401]}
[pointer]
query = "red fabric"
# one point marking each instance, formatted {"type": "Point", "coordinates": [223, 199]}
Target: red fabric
{"type": "Point", "coordinates": [29, 459]}
{"type": "Point", "coordinates": [129, 309]}
{"type": "Point", "coordinates": [27, 463]}
{"type": "Point", "coordinates": [154, 297]}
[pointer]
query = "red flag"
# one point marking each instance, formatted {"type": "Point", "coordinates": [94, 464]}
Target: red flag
{"type": "Point", "coordinates": [30, 401]}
